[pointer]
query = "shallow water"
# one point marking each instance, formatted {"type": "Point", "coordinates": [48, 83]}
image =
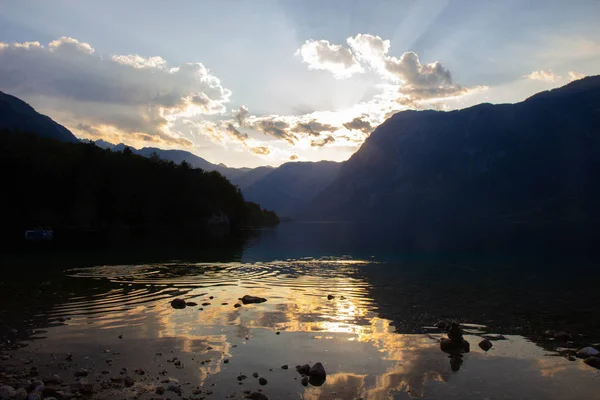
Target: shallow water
{"type": "Point", "coordinates": [372, 337]}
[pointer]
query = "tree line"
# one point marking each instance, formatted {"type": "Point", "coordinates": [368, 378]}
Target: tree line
{"type": "Point", "coordinates": [81, 187]}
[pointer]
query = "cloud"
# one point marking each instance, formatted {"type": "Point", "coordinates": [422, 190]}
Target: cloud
{"type": "Point", "coordinates": [417, 80]}
{"type": "Point", "coordinates": [241, 114]}
{"type": "Point", "coordinates": [294, 157]}
{"type": "Point", "coordinates": [241, 136]}
{"type": "Point", "coordinates": [322, 55]}
{"type": "Point", "coordinates": [545, 76]}
{"type": "Point", "coordinates": [414, 81]}
{"type": "Point", "coordinates": [573, 76]}
{"type": "Point", "coordinates": [359, 124]}
{"type": "Point", "coordinates": [322, 142]}
{"type": "Point", "coordinates": [276, 128]}
{"type": "Point", "coordinates": [128, 95]}
{"type": "Point", "coordinates": [261, 150]}
{"type": "Point", "coordinates": [313, 128]}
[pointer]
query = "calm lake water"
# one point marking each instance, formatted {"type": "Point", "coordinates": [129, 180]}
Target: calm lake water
{"type": "Point", "coordinates": [375, 337]}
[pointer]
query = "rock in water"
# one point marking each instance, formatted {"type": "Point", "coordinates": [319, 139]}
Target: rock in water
{"type": "Point", "coordinates": [451, 346]}
{"type": "Point", "coordinates": [252, 299]}
{"type": "Point", "coordinates": [485, 345]}
{"type": "Point", "coordinates": [262, 381]}
{"type": "Point", "coordinates": [588, 352]}
{"type": "Point", "coordinates": [178, 304]}
{"type": "Point", "coordinates": [304, 381]}
{"type": "Point", "coordinates": [303, 369]}
{"type": "Point", "coordinates": [330, 297]}
{"type": "Point", "coordinates": [257, 396]}
{"type": "Point", "coordinates": [191, 303]}
{"type": "Point", "coordinates": [7, 392]}
{"type": "Point", "coordinates": [317, 374]}
{"type": "Point", "coordinates": [21, 394]}
{"type": "Point", "coordinates": [455, 333]}
{"type": "Point", "coordinates": [593, 362]}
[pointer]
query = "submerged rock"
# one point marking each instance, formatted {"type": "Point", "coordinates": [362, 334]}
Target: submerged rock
{"type": "Point", "coordinates": [257, 396]}
{"type": "Point", "coordinates": [485, 344]}
{"type": "Point", "coordinates": [593, 362]}
{"type": "Point", "coordinates": [588, 352]}
{"type": "Point", "coordinates": [178, 304]}
{"type": "Point", "coordinates": [252, 299]}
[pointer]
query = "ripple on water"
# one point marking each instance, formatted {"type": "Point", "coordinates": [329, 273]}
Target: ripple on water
{"type": "Point", "coordinates": [136, 293]}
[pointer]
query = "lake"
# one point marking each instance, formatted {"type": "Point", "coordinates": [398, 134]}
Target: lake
{"type": "Point", "coordinates": [345, 295]}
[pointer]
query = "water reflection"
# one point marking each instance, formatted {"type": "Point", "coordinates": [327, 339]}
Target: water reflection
{"type": "Point", "coordinates": [214, 343]}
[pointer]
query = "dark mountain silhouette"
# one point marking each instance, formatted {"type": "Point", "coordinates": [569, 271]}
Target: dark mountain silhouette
{"type": "Point", "coordinates": [16, 115]}
{"type": "Point", "coordinates": [288, 189]}
{"type": "Point", "coordinates": [178, 156]}
{"type": "Point", "coordinates": [433, 174]}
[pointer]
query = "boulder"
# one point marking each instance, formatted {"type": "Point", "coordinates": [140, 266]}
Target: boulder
{"type": "Point", "coordinates": [588, 352]}
{"type": "Point", "coordinates": [252, 299]}
{"type": "Point", "coordinates": [178, 304]}
{"type": "Point", "coordinates": [485, 345]}
{"type": "Point", "coordinates": [593, 362]}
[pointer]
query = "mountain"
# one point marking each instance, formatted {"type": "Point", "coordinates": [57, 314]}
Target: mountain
{"type": "Point", "coordinates": [434, 173]}
{"type": "Point", "coordinates": [16, 115]}
{"type": "Point", "coordinates": [178, 156]}
{"type": "Point", "coordinates": [289, 188]}
{"type": "Point", "coordinates": [250, 177]}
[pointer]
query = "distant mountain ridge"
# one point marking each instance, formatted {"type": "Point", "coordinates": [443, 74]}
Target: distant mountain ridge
{"type": "Point", "coordinates": [429, 172]}
{"type": "Point", "coordinates": [178, 156]}
{"type": "Point", "coordinates": [291, 187]}
{"type": "Point", "coordinates": [17, 115]}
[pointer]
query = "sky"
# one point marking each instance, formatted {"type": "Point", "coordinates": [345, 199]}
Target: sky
{"type": "Point", "coordinates": [249, 83]}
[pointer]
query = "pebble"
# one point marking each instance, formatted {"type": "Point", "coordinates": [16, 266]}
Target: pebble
{"type": "Point", "coordinates": [21, 394]}
{"type": "Point", "coordinates": [588, 352]}
{"type": "Point", "coordinates": [81, 373]}
{"type": "Point", "coordinates": [485, 345]}
{"type": "Point", "coordinates": [7, 392]}
{"type": "Point", "coordinates": [262, 381]}
{"type": "Point", "coordinates": [255, 374]}
{"type": "Point", "coordinates": [178, 304]}
{"type": "Point", "coordinates": [593, 362]}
